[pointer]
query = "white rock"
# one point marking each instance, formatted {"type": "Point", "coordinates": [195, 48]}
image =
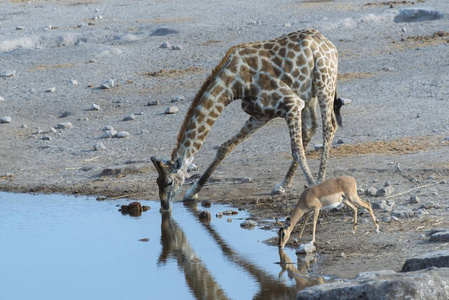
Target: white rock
{"type": "Point", "coordinates": [306, 248]}
{"type": "Point", "coordinates": [50, 90]}
{"type": "Point", "coordinates": [122, 134]}
{"type": "Point", "coordinates": [108, 84]}
{"type": "Point", "coordinates": [5, 120]}
{"type": "Point", "coordinates": [178, 99]}
{"type": "Point", "coordinates": [248, 224]}
{"type": "Point", "coordinates": [153, 102]}
{"type": "Point", "coordinates": [64, 125]}
{"type": "Point", "coordinates": [106, 128]}
{"type": "Point", "coordinates": [171, 110]}
{"type": "Point", "coordinates": [129, 117]}
{"type": "Point", "coordinates": [2, 99]}
{"type": "Point", "coordinates": [109, 134]}
{"type": "Point", "coordinates": [8, 73]}
{"type": "Point", "coordinates": [99, 146]}
{"type": "Point", "coordinates": [73, 82]}
{"type": "Point", "coordinates": [176, 47]}
{"type": "Point", "coordinates": [95, 107]}
{"type": "Point", "coordinates": [165, 45]}
{"type": "Point", "coordinates": [20, 28]}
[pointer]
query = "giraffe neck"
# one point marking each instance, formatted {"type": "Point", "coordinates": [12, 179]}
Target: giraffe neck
{"type": "Point", "coordinates": [204, 111]}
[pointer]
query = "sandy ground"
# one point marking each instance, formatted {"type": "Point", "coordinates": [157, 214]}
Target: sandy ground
{"type": "Point", "coordinates": [395, 73]}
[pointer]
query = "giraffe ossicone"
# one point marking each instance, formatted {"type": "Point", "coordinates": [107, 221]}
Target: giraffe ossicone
{"type": "Point", "coordinates": [284, 77]}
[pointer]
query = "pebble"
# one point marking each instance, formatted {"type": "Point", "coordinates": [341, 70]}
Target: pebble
{"type": "Point", "coordinates": [8, 73]}
{"type": "Point", "coordinates": [24, 126]}
{"type": "Point", "coordinates": [385, 191]}
{"type": "Point", "coordinates": [50, 90]}
{"type": "Point", "coordinates": [46, 138]}
{"type": "Point", "coordinates": [95, 107]}
{"type": "Point", "coordinates": [383, 205]}
{"type": "Point", "coordinates": [176, 47]}
{"type": "Point", "coordinates": [144, 240]}
{"type": "Point", "coordinates": [73, 82]}
{"type": "Point", "coordinates": [108, 134]}
{"type": "Point", "coordinates": [2, 99]}
{"type": "Point", "coordinates": [246, 180]}
{"type": "Point", "coordinates": [248, 224]}
{"type": "Point", "coordinates": [414, 200]}
{"type": "Point", "coordinates": [99, 146]}
{"type": "Point", "coordinates": [145, 207]}
{"type": "Point", "coordinates": [318, 147]}
{"type": "Point", "coordinates": [5, 120]}
{"type": "Point", "coordinates": [192, 168]}
{"type": "Point", "coordinates": [153, 102]}
{"type": "Point", "coordinates": [230, 212]}
{"type": "Point", "coordinates": [404, 29]}
{"type": "Point", "coordinates": [171, 110]}
{"type": "Point", "coordinates": [122, 134]}
{"type": "Point", "coordinates": [129, 117]}
{"type": "Point", "coordinates": [165, 45]}
{"type": "Point", "coordinates": [287, 25]}
{"type": "Point", "coordinates": [65, 114]}
{"type": "Point", "coordinates": [64, 125]}
{"type": "Point", "coordinates": [106, 128]}
{"type": "Point", "coordinates": [219, 215]}
{"type": "Point", "coordinates": [204, 215]}
{"type": "Point", "coordinates": [177, 99]}
{"type": "Point", "coordinates": [20, 27]}
{"type": "Point", "coordinates": [388, 69]}
{"type": "Point", "coordinates": [108, 84]}
{"type": "Point", "coordinates": [229, 220]}
{"type": "Point", "coordinates": [205, 203]}
{"type": "Point", "coordinates": [402, 213]}
{"type": "Point", "coordinates": [371, 191]}
{"type": "Point", "coordinates": [306, 248]}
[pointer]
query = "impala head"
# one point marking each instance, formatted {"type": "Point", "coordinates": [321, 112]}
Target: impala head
{"type": "Point", "coordinates": [170, 180]}
{"type": "Point", "coordinates": [284, 233]}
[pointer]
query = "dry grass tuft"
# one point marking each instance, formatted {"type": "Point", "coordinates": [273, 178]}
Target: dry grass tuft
{"type": "Point", "coordinates": [173, 73]}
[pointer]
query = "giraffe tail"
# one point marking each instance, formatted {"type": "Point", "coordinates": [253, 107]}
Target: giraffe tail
{"type": "Point", "coordinates": [338, 103]}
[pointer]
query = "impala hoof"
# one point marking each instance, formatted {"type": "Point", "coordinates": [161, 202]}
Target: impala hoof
{"type": "Point", "coordinates": [190, 198]}
{"type": "Point", "coordinates": [278, 191]}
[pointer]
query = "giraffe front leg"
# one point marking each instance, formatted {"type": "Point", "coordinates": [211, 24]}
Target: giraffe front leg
{"type": "Point", "coordinates": [251, 126]}
{"type": "Point", "coordinates": [329, 128]}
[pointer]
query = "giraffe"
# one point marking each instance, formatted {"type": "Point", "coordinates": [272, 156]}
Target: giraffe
{"type": "Point", "coordinates": [284, 77]}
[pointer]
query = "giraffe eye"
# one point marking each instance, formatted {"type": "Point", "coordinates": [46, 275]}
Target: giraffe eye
{"type": "Point", "coordinates": [169, 184]}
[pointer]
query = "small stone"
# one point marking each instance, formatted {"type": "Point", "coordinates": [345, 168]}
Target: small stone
{"type": "Point", "coordinates": [145, 240]}
{"type": "Point", "coordinates": [388, 69]}
{"type": "Point", "coordinates": [99, 146]}
{"type": "Point", "coordinates": [5, 120]}
{"type": "Point", "coordinates": [64, 125]}
{"type": "Point", "coordinates": [8, 73]}
{"type": "Point", "coordinates": [108, 84]}
{"type": "Point", "coordinates": [306, 248]}
{"type": "Point", "coordinates": [414, 200]}
{"type": "Point", "coordinates": [2, 99]}
{"type": "Point", "coordinates": [65, 114]}
{"type": "Point", "coordinates": [229, 220]}
{"type": "Point", "coordinates": [165, 45]}
{"type": "Point", "coordinates": [135, 209]}
{"type": "Point", "coordinates": [145, 207]}
{"type": "Point", "coordinates": [318, 147]}
{"type": "Point", "coordinates": [402, 213]}
{"type": "Point", "coordinates": [404, 29]}
{"type": "Point", "coordinates": [20, 27]}
{"type": "Point", "coordinates": [246, 180]}
{"type": "Point", "coordinates": [46, 138]}
{"type": "Point", "coordinates": [176, 47]}
{"type": "Point", "coordinates": [129, 117]}
{"type": "Point", "coordinates": [73, 82]}
{"type": "Point", "coordinates": [177, 99]}
{"type": "Point", "coordinates": [50, 90]}
{"type": "Point", "coordinates": [153, 102]}
{"type": "Point", "coordinates": [106, 128]}
{"type": "Point", "coordinates": [230, 212]}
{"type": "Point", "coordinates": [101, 198]}
{"type": "Point", "coordinates": [340, 141]}
{"type": "Point", "coordinates": [371, 191]}
{"type": "Point", "coordinates": [171, 110]}
{"type": "Point", "coordinates": [443, 181]}
{"type": "Point", "coordinates": [387, 183]}
{"type": "Point", "coordinates": [122, 134]}
{"type": "Point", "coordinates": [219, 215]}
{"type": "Point", "coordinates": [25, 126]}
{"type": "Point", "coordinates": [385, 191]}
{"type": "Point", "coordinates": [248, 224]}
{"type": "Point", "coordinates": [95, 107]}
{"type": "Point", "coordinates": [192, 168]}
{"type": "Point", "coordinates": [205, 203]}
{"type": "Point", "coordinates": [287, 25]}
{"type": "Point", "coordinates": [108, 134]}
{"type": "Point", "coordinates": [204, 215]}
{"type": "Point", "coordinates": [439, 237]}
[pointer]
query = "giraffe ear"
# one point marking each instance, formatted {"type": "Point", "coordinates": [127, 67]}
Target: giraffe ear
{"type": "Point", "coordinates": [162, 167]}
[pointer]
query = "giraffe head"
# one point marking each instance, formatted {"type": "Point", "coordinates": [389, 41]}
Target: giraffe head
{"type": "Point", "coordinates": [170, 180]}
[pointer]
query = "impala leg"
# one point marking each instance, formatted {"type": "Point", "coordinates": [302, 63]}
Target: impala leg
{"type": "Point", "coordinates": [316, 212]}
{"type": "Point", "coordinates": [306, 219]}
{"type": "Point", "coordinates": [354, 209]}
{"type": "Point", "coordinates": [366, 205]}
{"type": "Point", "coordinates": [251, 126]}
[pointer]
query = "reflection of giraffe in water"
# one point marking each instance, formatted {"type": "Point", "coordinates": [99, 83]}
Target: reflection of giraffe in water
{"type": "Point", "coordinates": [284, 77]}
{"type": "Point", "coordinates": [301, 278]}
{"type": "Point", "coordinates": [175, 244]}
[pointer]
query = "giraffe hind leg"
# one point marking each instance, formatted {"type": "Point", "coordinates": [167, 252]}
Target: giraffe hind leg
{"type": "Point", "coordinates": [251, 126]}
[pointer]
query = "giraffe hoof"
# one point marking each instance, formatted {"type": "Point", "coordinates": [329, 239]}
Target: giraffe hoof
{"type": "Point", "coordinates": [278, 191]}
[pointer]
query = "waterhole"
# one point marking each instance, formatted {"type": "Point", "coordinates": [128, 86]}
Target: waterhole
{"type": "Point", "coordinates": [67, 247]}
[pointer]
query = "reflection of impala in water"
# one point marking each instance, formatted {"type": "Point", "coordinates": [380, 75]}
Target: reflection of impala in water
{"type": "Point", "coordinates": [201, 281]}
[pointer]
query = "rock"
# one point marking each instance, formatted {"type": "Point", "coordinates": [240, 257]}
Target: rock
{"type": "Point", "coordinates": [431, 284]}
{"type": "Point", "coordinates": [5, 120]}
{"type": "Point", "coordinates": [430, 205]}
{"type": "Point", "coordinates": [108, 84]}
{"type": "Point", "coordinates": [176, 47]}
{"type": "Point", "coordinates": [20, 27]}
{"type": "Point", "coordinates": [192, 168]}
{"type": "Point", "coordinates": [219, 215]}
{"type": "Point", "coordinates": [163, 31]}
{"type": "Point", "coordinates": [387, 183]}
{"type": "Point", "coordinates": [65, 114]}
{"type": "Point", "coordinates": [385, 191]}
{"type": "Point", "coordinates": [7, 73]}
{"type": "Point", "coordinates": [50, 90]}
{"type": "Point", "coordinates": [171, 110]}
{"type": "Point", "coordinates": [46, 138]}
{"type": "Point", "coordinates": [99, 146]}
{"type": "Point", "coordinates": [145, 240]}
{"type": "Point", "coordinates": [108, 134]}
{"type": "Point", "coordinates": [127, 170]}
{"type": "Point", "coordinates": [145, 207]}
{"type": "Point", "coordinates": [318, 147]}
{"type": "Point", "coordinates": [64, 125]}
{"type": "Point", "coordinates": [287, 25]}
{"type": "Point", "coordinates": [414, 200]}
{"type": "Point", "coordinates": [205, 215]}
{"type": "Point", "coordinates": [439, 259]}
{"type": "Point", "coordinates": [439, 237]}
{"type": "Point", "coordinates": [371, 191]}
{"type": "Point", "coordinates": [177, 99]}
{"type": "Point", "coordinates": [122, 134]}
{"type": "Point", "coordinates": [101, 198]}
{"type": "Point", "coordinates": [106, 128]}
{"type": "Point", "coordinates": [73, 82]}
{"type": "Point", "coordinates": [153, 102]}
{"type": "Point", "coordinates": [382, 204]}
{"type": "Point", "coordinates": [135, 208]}
{"type": "Point", "coordinates": [95, 107]}
{"type": "Point", "coordinates": [230, 212]}
{"type": "Point", "coordinates": [246, 180]}
{"type": "Point", "coordinates": [402, 213]}
{"type": "Point", "coordinates": [129, 117]}
{"type": "Point", "coordinates": [165, 45]}
{"type": "Point", "coordinates": [229, 220]}
{"type": "Point", "coordinates": [417, 15]}
{"type": "Point", "coordinates": [248, 224]}
{"type": "Point", "coordinates": [306, 248]}
{"type": "Point", "coordinates": [205, 203]}
{"type": "Point", "coordinates": [2, 99]}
